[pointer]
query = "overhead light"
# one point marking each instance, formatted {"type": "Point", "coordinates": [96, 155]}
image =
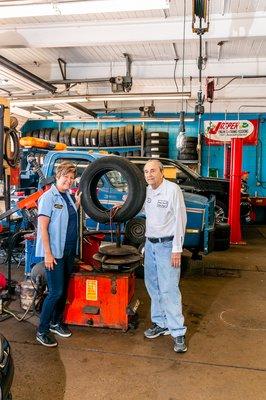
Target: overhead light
{"type": "Point", "coordinates": [80, 8]}
{"type": "Point", "coordinates": [53, 100]}
{"type": "Point", "coordinates": [139, 96]}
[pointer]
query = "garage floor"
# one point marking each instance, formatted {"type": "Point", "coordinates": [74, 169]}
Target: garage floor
{"type": "Point", "coordinates": [224, 300]}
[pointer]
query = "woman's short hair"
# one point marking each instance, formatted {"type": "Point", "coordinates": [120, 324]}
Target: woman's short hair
{"type": "Point", "coordinates": [65, 168]}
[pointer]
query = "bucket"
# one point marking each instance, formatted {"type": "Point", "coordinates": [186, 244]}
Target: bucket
{"type": "Point", "coordinates": [90, 246]}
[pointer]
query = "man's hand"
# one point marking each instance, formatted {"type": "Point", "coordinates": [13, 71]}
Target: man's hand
{"type": "Point", "coordinates": [49, 261]}
{"type": "Point", "coordinates": [176, 260]}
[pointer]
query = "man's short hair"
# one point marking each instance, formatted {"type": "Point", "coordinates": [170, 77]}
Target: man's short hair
{"type": "Point", "coordinates": [160, 165]}
{"type": "Point", "coordinates": [65, 168]}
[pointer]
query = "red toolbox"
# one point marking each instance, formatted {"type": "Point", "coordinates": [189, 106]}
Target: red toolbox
{"type": "Point", "coordinates": [101, 299]}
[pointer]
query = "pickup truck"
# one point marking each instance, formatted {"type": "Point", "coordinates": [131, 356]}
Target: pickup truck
{"type": "Point", "coordinates": [112, 189]}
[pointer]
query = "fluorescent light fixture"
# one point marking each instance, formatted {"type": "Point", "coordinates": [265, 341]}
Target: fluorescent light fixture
{"type": "Point", "coordinates": [53, 100]}
{"type": "Point", "coordinates": [80, 7]}
{"type": "Point", "coordinates": [139, 96]}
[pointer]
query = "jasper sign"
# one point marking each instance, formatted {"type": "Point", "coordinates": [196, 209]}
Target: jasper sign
{"type": "Point", "coordinates": [220, 132]}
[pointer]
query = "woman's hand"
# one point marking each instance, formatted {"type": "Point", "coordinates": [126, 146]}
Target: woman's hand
{"type": "Point", "coordinates": [49, 261]}
{"type": "Point", "coordinates": [78, 198]}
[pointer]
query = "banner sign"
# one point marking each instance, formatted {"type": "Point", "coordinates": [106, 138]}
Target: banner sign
{"type": "Point", "coordinates": [220, 132]}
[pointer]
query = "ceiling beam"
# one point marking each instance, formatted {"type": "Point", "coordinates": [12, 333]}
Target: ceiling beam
{"type": "Point", "coordinates": [77, 34]}
{"type": "Point", "coordinates": [153, 69]}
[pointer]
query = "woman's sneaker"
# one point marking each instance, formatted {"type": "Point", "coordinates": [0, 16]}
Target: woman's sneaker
{"type": "Point", "coordinates": [46, 340]}
{"type": "Point", "coordinates": [154, 331]}
{"type": "Point", "coordinates": [180, 344]}
{"type": "Point", "coordinates": [61, 330]}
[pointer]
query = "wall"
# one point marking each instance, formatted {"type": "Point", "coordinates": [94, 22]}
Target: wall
{"type": "Point", "coordinates": [254, 157]}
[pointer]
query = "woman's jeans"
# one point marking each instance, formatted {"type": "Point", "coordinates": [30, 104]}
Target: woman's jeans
{"type": "Point", "coordinates": [57, 282]}
{"type": "Point", "coordinates": [162, 283]}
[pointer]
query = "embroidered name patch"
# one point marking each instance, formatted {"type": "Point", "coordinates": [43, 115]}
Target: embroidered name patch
{"type": "Point", "coordinates": [58, 206]}
{"type": "Point", "coordinates": [162, 203]}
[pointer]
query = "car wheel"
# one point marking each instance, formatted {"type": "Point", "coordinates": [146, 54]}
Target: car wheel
{"type": "Point", "coordinates": [220, 212]}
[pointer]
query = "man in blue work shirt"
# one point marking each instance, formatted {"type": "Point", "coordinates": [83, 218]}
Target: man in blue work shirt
{"type": "Point", "coordinates": [57, 237]}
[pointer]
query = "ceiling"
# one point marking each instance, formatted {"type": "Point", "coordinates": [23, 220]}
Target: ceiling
{"type": "Point", "coordinates": [93, 45]}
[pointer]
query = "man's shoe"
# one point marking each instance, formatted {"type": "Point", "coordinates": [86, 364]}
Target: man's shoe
{"type": "Point", "coordinates": [61, 330]}
{"type": "Point", "coordinates": [156, 331]}
{"type": "Point", "coordinates": [180, 344]}
{"type": "Point", "coordinates": [46, 340]}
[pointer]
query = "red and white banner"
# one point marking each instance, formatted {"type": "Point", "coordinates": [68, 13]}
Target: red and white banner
{"type": "Point", "coordinates": [220, 132]}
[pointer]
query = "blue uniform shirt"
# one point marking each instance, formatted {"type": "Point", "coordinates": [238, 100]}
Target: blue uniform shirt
{"type": "Point", "coordinates": [52, 204]}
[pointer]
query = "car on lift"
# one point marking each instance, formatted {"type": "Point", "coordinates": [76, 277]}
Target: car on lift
{"type": "Point", "coordinates": [6, 369]}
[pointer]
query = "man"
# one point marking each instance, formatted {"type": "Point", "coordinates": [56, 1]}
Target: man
{"type": "Point", "coordinates": [165, 230]}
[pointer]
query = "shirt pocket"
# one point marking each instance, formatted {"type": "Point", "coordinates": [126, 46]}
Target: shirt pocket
{"type": "Point", "coordinates": [57, 211]}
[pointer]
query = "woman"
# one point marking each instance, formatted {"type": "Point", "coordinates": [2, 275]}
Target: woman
{"type": "Point", "coordinates": [57, 236]}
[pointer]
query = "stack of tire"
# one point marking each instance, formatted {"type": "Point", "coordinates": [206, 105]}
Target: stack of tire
{"type": "Point", "coordinates": [129, 135]}
{"type": "Point", "coordinates": [157, 145]}
{"type": "Point", "coordinates": [188, 151]}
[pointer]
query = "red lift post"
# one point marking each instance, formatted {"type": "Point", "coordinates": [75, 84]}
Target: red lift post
{"type": "Point", "coordinates": [235, 191]}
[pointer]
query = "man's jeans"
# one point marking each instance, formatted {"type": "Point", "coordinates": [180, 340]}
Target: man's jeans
{"type": "Point", "coordinates": [162, 280]}
{"type": "Point", "coordinates": [57, 281]}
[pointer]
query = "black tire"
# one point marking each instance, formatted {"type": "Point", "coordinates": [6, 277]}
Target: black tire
{"type": "Point", "coordinates": [115, 141]}
{"type": "Point", "coordinates": [94, 141]}
{"type": "Point", "coordinates": [47, 133]}
{"type": "Point", "coordinates": [156, 154]}
{"type": "Point", "coordinates": [73, 137]}
{"type": "Point", "coordinates": [67, 136]}
{"type": "Point", "coordinates": [54, 135]}
{"type": "Point", "coordinates": [189, 146]}
{"type": "Point", "coordinates": [101, 137]}
{"type": "Point", "coordinates": [121, 136]}
{"type": "Point", "coordinates": [137, 134]}
{"type": "Point", "coordinates": [90, 179]}
{"type": "Point", "coordinates": [157, 135]}
{"type": "Point", "coordinates": [135, 230]}
{"type": "Point", "coordinates": [156, 148]}
{"type": "Point", "coordinates": [159, 142]}
{"type": "Point", "coordinates": [221, 236]}
{"type": "Point", "coordinates": [61, 137]}
{"type": "Point", "coordinates": [191, 140]}
{"type": "Point", "coordinates": [185, 150]}
{"type": "Point", "coordinates": [87, 138]}
{"type": "Point", "coordinates": [35, 133]}
{"type": "Point", "coordinates": [129, 135]}
{"type": "Point", "coordinates": [80, 138]}
{"type": "Point", "coordinates": [41, 134]}
{"type": "Point", "coordinates": [188, 157]}
{"type": "Point", "coordinates": [108, 137]}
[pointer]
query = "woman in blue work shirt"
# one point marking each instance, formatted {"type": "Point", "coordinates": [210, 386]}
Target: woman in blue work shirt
{"type": "Point", "coordinates": [57, 237]}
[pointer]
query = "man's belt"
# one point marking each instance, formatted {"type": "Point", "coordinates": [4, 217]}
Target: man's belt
{"type": "Point", "coordinates": [160, 240]}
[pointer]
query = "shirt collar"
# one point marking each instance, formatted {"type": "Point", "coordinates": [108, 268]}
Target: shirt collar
{"type": "Point", "coordinates": [159, 189]}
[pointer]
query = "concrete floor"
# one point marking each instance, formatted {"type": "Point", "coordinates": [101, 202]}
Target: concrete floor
{"type": "Point", "coordinates": [224, 304]}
